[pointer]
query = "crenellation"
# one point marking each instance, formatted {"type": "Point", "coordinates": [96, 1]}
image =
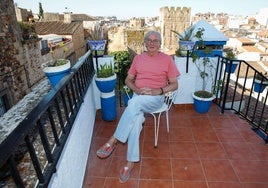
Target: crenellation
{"type": "Point", "coordinates": [173, 18]}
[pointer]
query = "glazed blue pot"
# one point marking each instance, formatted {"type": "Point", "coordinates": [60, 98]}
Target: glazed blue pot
{"type": "Point", "coordinates": [259, 87]}
{"type": "Point", "coordinates": [230, 68]}
{"type": "Point", "coordinates": [106, 85]}
{"type": "Point", "coordinates": [97, 44]}
{"type": "Point", "coordinates": [202, 105]}
{"type": "Point", "coordinates": [108, 106]}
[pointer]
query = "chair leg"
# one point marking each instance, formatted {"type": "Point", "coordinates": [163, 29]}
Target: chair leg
{"type": "Point", "coordinates": [157, 130]}
{"type": "Point", "coordinates": [167, 121]}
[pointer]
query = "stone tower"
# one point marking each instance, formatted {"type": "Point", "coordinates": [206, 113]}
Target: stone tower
{"type": "Point", "coordinates": [173, 18]}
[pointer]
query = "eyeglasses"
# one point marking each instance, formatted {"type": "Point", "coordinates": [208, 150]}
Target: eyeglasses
{"type": "Point", "coordinates": [155, 41]}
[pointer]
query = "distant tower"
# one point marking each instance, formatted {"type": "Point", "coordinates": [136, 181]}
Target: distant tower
{"type": "Point", "coordinates": [173, 18]}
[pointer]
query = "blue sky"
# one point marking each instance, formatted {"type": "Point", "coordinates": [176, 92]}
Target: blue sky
{"type": "Point", "coordinates": [124, 9]}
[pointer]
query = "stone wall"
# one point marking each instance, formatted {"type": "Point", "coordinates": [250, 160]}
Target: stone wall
{"type": "Point", "coordinates": [173, 18]}
{"type": "Point", "coordinates": [12, 70]}
{"type": "Point", "coordinates": [20, 60]}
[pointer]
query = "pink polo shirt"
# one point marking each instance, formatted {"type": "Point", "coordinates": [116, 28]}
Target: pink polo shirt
{"type": "Point", "coordinates": [153, 72]}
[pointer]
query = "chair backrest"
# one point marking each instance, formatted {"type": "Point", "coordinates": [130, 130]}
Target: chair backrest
{"type": "Point", "coordinates": [170, 97]}
{"type": "Point", "coordinates": [126, 88]}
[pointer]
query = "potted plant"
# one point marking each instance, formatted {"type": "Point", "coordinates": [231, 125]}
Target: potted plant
{"type": "Point", "coordinates": [260, 82]}
{"type": "Point", "coordinates": [203, 98]}
{"type": "Point", "coordinates": [105, 80]}
{"type": "Point", "coordinates": [122, 60]}
{"type": "Point", "coordinates": [56, 70]}
{"type": "Point", "coordinates": [185, 41]}
{"type": "Point", "coordinates": [230, 64]}
{"type": "Point", "coordinates": [97, 42]}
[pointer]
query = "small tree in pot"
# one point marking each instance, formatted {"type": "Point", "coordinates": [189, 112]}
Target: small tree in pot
{"type": "Point", "coordinates": [206, 68]}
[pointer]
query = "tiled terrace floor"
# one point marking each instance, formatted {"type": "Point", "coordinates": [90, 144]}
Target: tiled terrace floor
{"type": "Point", "coordinates": [211, 150]}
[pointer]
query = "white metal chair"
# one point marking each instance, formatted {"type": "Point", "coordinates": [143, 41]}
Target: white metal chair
{"type": "Point", "coordinates": [169, 100]}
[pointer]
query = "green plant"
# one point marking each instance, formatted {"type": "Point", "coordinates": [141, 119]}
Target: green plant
{"type": "Point", "coordinates": [28, 30]}
{"type": "Point", "coordinates": [105, 71]}
{"type": "Point", "coordinates": [205, 67]}
{"type": "Point", "coordinates": [122, 62]}
{"type": "Point", "coordinates": [230, 54]}
{"type": "Point", "coordinates": [199, 35]}
{"type": "Point", "coordinates": [187, 35]}
{"type": "Point", "coordinates": [260, 76]}
{"type": "Point", "coordinates": [58, 62]}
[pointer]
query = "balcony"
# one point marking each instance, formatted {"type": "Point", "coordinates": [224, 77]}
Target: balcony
{"type": "Point", "coordinates": [225, 147]}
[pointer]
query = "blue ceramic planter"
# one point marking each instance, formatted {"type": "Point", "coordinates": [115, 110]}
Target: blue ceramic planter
{"type": "Point", "coordinates": [106, 85]}
{"type": "Point", "coordinates": [202, 105]}
{"type": "Point", "coordinates": [97, 44]}
{"type": "Point", "coordinates": [230, 68]}
{"type": "Point", "coordinates": [259, 87]}
{"type": "Point", "coordinates": [126, 98]}
{"type": "Point", "coordinates": [108, 106]}
{"type": "Point", "coordinates": [54, 78]}
{"type": "Point", "coordinates": [56, 73]}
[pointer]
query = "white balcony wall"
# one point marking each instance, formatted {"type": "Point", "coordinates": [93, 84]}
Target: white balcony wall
{"type": "Point", "coordinates": [190, 81]}
{"type": "Point", "coordinates": [72, 164]}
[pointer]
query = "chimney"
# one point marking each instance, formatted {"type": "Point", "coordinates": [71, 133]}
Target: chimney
{"type": "Point", "coordinates": [67, 17]}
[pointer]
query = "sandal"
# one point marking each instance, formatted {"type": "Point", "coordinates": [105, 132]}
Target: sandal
{"type": "Point", "coordinates": [124, 174]}
{"type": "Point", "coordinates": [106, 150]}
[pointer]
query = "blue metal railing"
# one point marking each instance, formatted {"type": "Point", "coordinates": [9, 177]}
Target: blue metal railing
{"type": "Point", "coordinates": [48, 126]}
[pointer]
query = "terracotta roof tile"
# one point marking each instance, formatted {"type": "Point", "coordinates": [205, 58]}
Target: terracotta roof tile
{"type": "Point", "coordinates": [253, 49]}
{"type": "Point", "coordinates": [56, 27]}
{"type": "Point", "coordinates": [246, 41]}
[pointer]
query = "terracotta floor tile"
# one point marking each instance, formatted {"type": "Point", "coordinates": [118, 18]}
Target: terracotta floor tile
{"type": "Point", "coordinates": [239, 150]}
{"type": "Point", "coordinates": [117, 163]}
{"type": "Point", "coordinates": [229, 135]}
{"type": "Point", "coordinates": [189, 184]}
{"type": "Point", "coordinates": [221, 122]}
{"type": "Point", "coordinates": [183, 150]}
{"type": "Point", "coordinates": [155, 184]}
{"type": "Point", "coordinates": [152, 168]}
{"type": "Point", "coordinates": [181, 134]}
{"type": "Point", "coordinates": [205, 135]}
{"type": "Point", "coordinates": [114, 183]}
{"type": "Point", "coordinates": [211, 151]}
{"type": "Point", "coordinates": [255, 185]}
{"type": "Point", "coordinates": [149, 133]}
{"type": "Point", "coordinates": [224, 185]}
{"type": "Point", "coordinates": [162, 150]}
{"type": "Point", "coordinates": [201, 122]}
{"type": "Point", "coordinates": [187, 169]}
{"type": "Point", "coordinates": [98, 167]}
{"type": "Point", "coordinates": [219, 170]}
{"type": "Point", "coordinates": [251, 171]}
{"type": "Point", "coordinates": [94, 182]}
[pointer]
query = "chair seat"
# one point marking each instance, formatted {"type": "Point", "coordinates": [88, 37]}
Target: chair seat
{"type": "Point", "coordinates": [163, 108]}
{"type": "Point", "coordinates": [169, 99]}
